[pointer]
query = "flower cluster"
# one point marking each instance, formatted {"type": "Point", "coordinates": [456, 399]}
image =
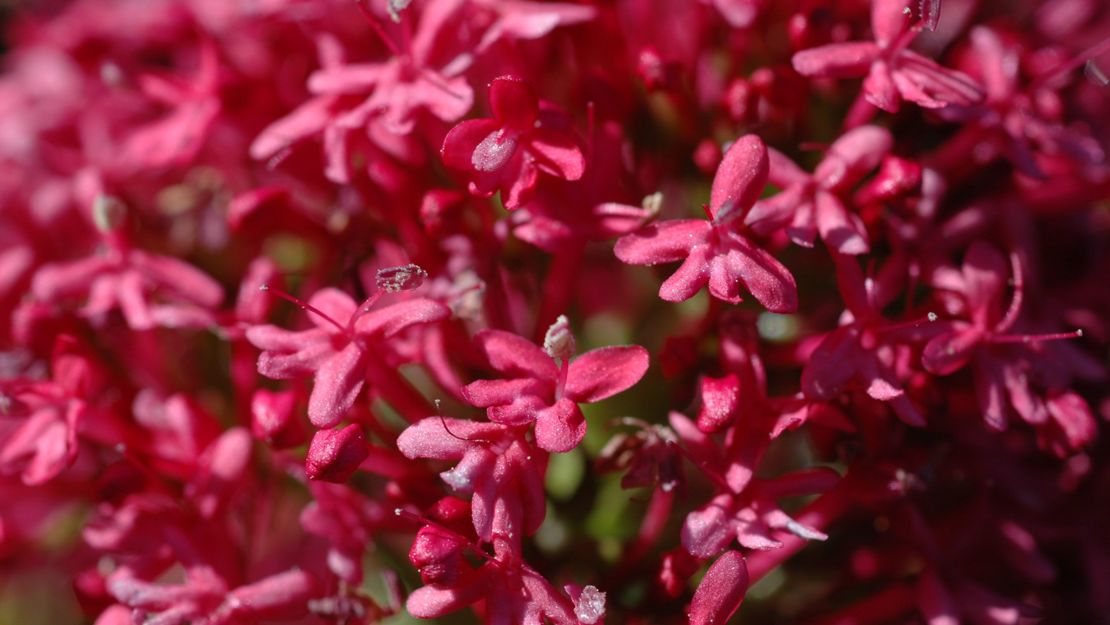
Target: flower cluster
{"type": "Point", "coordinates": [564, 312]}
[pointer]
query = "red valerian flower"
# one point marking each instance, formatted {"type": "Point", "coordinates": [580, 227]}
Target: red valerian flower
{"type": "Point", "coordinates": [715, 251]}
{"type": "Point", "coordinates": [546, 385]}
{"type": "Point", "coordinates": [1019, 122]}
{"type": "Point", "coordinates": [339, 348]}
{"type": "Point", "coordinates": [507, 152]}
{"type": "Point", "coordinates": [150, 290]}
{"type": "Point", "coordinates": [863, 348]}
{"type": "Point", "coordinates": [512, 590]}
{"type": "Point", "coordinates": [810, 203]}
{"type": "Point", "coordinates": [1001, 360]}
{"type": "Point", "coordinates": [894, 72]}
{"type": "Point", "coordinates": [746, 508]}
{"type": "Point", "coordinates": [496, 464]}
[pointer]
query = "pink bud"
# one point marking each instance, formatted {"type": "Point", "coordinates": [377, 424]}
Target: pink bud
{"type": "Point", "coordinates": [334, 455]}
{"type": "Point", "coordinates": [721, 590]}
{"type": "Point", "coordinates": [437, 554]}
{"type": "Point", "coordinates": [272, 418]}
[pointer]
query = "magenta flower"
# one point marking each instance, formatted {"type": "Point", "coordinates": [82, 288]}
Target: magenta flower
{"type": "Point", "coordinates": [1003, 362]}
{"type": "Point", "coordinates": [745, 510]}
{"type": "Point", "coordinates": [546, 385]}
{"type": "Point", "coordinates": [512, 592]}
{"type": "Point", "coordinates": [338, 349]}
{"type": "Point", "coordinates": [507, 152]}
{"type": "Point", "coordinates": [496, 464]}
{"type": "Point", "coordinates": [894, 72]}
{"type": "Point", "coordinates": [811, 203]}
{"type": "Point", "coordinates": [150, 290]}
{"type": "Point", "coordinates": [862, 350]}
{"type": "Point", "coordinates": [715, 250]}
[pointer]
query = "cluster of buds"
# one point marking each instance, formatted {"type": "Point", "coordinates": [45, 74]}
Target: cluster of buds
{"type": "Point", "coordinates": [566, 312]}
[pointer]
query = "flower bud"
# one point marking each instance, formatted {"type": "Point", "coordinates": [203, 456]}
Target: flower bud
{"type": "Point", "coordinates": [334, 455]}
{"type": "Point", "coordinates": [437, 554]}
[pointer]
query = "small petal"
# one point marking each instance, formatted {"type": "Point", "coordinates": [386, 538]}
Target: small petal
{"type": "Point", "coordinates": [513, 355]}
{"type": "Point", "coordinates": [395, 318]}
{"type": "Point", "coordinates": [836, 60]}
{"type": "Point", "coordinates": [604, 372]}
{"type": "Point", "coordinates": [740, 178]}
{"type": "Point", "coordinates": [662, 242]}
{"type": "Point", "coordinates": [689, 278]}
{"type": "Point", "coordinates": [764, 276]}
{"type": "Point", "coordinates": [443, 438]}
{"type": "Point", "coordinates": [721, 591]}
{"type": "Point", "coordinates": [334, 455]}
{"type": "Point", "coordinates": [556, 153]}
{"type": "Point", "coordinates": [513, 102]}
{"type": "Point", "coordinates": [462, 140]}
{"type": "Point", "coordinates": [561, 427]}
{"type": "Point", "coordinates": [338, 382]}
{"type": "Point", "coordinates": [842, 231]}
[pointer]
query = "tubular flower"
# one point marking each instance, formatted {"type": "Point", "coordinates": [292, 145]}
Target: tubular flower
{"type": "Point", "coordinates": [546, 385]}
{"type": "Point", "coordinates": [894, 72]}
{"type": "Point", "coordinates": [507, 152]}
{"type": "Point", "coordinates": [715, 251]}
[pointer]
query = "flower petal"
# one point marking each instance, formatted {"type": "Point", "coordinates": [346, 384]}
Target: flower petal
{"type": "Point", "coordinates": [765, 277]}
{"type": "Point", "coordinates": [513, 103]}
{"type": "Point", "coordinates": [740, 178]}
{"type": "Point", "coordinates": [338, 382]}
{"type": "Point", "coordinates": [836, 60]}
{"type": "Point", "coordinates": [556, 153]}
{"type": "Point", "coordinates": [462, 140]}
{"type": "Point", "coordinates": [689, 278]}
{"type": "Point", "coordinates": [516, 356]}
{"type": "Point", "coordinates": [395, 318]}
{"type": "Point", "coordinates": [841, 230]}
{"type": "Point", "coordinates": [561, 427]}
{"type": "Point", "coordinates": [604, 372]}
{"type": "Point", "coordinates": [443, 438]}
{"type": "Point", "coordinates": [662, 242]}
{"type": "Point", "coordinates": [721, 590]}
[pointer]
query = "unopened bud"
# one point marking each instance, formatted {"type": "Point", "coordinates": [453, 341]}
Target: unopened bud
{"type": "Point", "coordinates": [402, 278]}
{"type": "Point", "coordinates": [108, 213]}
{"type": "Point", "coordinates": [334, 455]}
{"type": "Point", "coordinates": [559, 342]}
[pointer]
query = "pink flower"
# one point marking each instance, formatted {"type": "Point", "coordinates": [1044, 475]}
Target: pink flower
{"type": "Point", "coordinates": [894, 72]}
{"type": "Point", "coordinates": [496, 464]}
{"type": "Point", "coordinates": [1002, 362]}
{"type": "Point", "coordinates": [715, 251]}
{"type": "Point", "coordinates": [507, 152]}
{"type": "Point", "coordinates": [338, 349]}
{"type": "Point", "coordinates": [546, 385]}
{"type": "Point", "coordinates": [812, 204]}
{"type": "Point", "coordinates": [745, 510]}
{"type": "Point", "coordinates": [862, 350]}
{"type": "Point", "coordinates": [150, 290]}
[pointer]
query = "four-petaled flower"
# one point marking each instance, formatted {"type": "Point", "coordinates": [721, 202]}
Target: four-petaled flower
{"type": "Point", "coordinates": [715, 250]}
{"type": "Point", "coordinates": [547, 386]}
{"type": "Point", "coordinates": [810, 203]}
{"type": "Point", "coordinates": [507, 152]}
{"type": "Point", "coordinates": [338, 349]}
{"type": "Point", "coordinates": [894, 72]}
